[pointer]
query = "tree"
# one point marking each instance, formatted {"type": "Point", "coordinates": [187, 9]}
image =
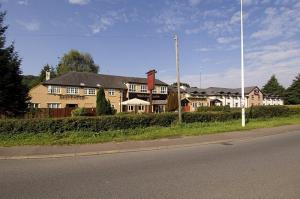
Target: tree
{"type": "Point", "coordinates": [47, 67]}
{"type": "Point", "coordinates": [30, 80]}
{"type": "Point", "coordinates": [76, 61]}
{"type": "Point", "coordinates": [172, 102]}
{"type": "Point", "coordinates": [103, 106]}
{"type": "Point", "coordinates": [273, 87]}
{"type": "Point", "coordinates": [293, 92]}
{"type": "Point", "coordinates": [181, 84]}
{"type": "Point", "coordinates": [13, 93]}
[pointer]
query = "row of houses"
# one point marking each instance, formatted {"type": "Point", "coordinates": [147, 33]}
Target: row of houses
{"type": "Point", "coordinates": [128, 94]}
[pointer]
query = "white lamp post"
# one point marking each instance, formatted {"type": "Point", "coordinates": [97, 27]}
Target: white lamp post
{"type": "Point", "coordinates": [242, 69]}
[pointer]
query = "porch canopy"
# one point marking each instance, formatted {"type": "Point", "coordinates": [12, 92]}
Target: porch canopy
{"type": "Point", "coordinates": [135, 102]}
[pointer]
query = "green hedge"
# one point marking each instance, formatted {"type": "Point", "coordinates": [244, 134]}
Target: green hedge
{"type": "Point", "coordinates": [104, 123]}
{"type": "Point", "coordinates": [119, 122]}
{"type": "Point", "coordinates": [268, 111]}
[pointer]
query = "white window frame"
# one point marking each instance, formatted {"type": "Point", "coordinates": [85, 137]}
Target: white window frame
{"type": "Point", "coordinates": [53, 105]}
{"type": "Point", "coordinates": [111, 92]}
{"type": "Point", "coordinates": [130, 108]}
{"type": "Point", "coordinates": [89, 91]}
{"type": "Point", "coordinates": [54, 89]}
{"type": "Point", "coordinates": [132, 87]}
{"type": "Point", "coordinates": [72, 90]}
{"type": "Point", "coordinates": [141, 107]}
{"type": "Point", "coordinates": [163, 90]}
{"type": "Point", "coordinates": [144, 88]}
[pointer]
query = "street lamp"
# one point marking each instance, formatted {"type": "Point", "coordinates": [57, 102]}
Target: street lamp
{"type": "Point", "coordinates": [242, 69]}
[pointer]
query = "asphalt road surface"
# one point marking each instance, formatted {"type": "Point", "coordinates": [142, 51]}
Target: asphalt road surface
{"type": "Point", "coordinates": [265, 167]}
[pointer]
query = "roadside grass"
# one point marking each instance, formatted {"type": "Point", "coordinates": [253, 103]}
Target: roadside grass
{"type": "Point", "coordinates": [149, 133]}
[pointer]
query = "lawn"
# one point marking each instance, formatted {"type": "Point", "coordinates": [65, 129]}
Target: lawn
{"type": "Point", "coordinates": [191, 129]}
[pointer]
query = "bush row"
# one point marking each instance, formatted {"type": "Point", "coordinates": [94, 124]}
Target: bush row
{"type": "Point", "coordinates": [119, 122]}
{"type": "Point", "coordinates": [105, 123]}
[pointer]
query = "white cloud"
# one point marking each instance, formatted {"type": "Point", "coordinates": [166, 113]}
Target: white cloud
{"type": "Point", "coordinates": [107, 20]}
{"type": "Point", "coordinates": [30, 25]}
{"type": "Point", "coordinates": [279, 22]}
{"type": "Point", "coordinates": [172, 18]}
{"type": "Point", "coordinates": [194, 2]}
{"type": "Point", "coordinates": [23, 2]}
{"type": "Point", "coordinates": [79, 2]}
{"type": "Point", "coordinates": [227, 40]}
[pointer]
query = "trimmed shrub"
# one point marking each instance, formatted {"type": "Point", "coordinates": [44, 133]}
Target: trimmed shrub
{"type": "Point", "coordinates": [214, 109]}
{"type": "Point", "coordinates": [268, 111]}
{"type": "Point", "coordinates": [131, 121]}
{"type": "Point", "coordinates": [105, 123]}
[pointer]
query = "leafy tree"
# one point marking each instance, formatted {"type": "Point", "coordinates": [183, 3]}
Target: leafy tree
{"type": "Point", "coordinates": [273, 87]}
{"type": "Point", "coordinates": [30, 80]}
{"type": "Point", "coordinates": [293, 92]}
{"type": "Point", "coordinates": [13, 94]}
{"type": "Point", "coordinates": [172, 102]}
{"type": "Point", "coordinates": [76, 61]}
{"type": "Point", "coordinates": [181, 84]}
{"type": "Point", "coordinates": [103, 106]}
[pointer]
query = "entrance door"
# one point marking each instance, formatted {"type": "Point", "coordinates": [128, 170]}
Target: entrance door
{"type": "Point", "coordinates": [71, 105]}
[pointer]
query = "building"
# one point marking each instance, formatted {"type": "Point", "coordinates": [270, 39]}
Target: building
{"type": "Point", "coordinates": [79, 89]}
{"type": "Point", "coordinates": [215, 96]}
{"type": "Point", "coordinates": [272, 100]}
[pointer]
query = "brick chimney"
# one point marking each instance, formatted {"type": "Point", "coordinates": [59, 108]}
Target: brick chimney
{"type": "Point", "coordinates": [47, 75]}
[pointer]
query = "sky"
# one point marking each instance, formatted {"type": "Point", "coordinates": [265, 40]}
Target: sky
{"type": "Point", "coordinates": [129, 37]}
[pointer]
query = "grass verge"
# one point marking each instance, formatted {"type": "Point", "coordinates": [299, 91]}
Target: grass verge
{"type": "Point", "coordinates": [143, 133]}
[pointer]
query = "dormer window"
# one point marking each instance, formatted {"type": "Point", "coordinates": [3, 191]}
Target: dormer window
{"type": "Point", "coordinates": [163, 90]}
{"type": "Point", "coordinates": [132, 88]}
{"type": "Point", "coordinates": [144, 88]}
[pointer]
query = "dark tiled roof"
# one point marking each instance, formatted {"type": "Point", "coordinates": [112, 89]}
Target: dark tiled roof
{"type": "Point", "coordinates": [92, 79]}
{"type": "Point", "coordinates": [218, 91]}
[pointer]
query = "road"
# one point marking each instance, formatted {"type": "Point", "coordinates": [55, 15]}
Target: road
{"type": "Point", "coordinates": [265, 167]}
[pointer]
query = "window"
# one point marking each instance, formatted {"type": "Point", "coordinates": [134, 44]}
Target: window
{"type": "Point", "coordinates": [33, 105]}
{"type": "Point", "coordinates": [54, 89]}
{"type": "Point", "coordinates": [130, 108]}
{"type": "Point", "coordinates": [236, 104]}
{"type": "Point", "coordinates": [144, 88]}
{"type": "Point", "coordinates": [252, 96]}
{"type": "Point", "coordinates": [194, 104]}
{"type": "Point", "coordinates": [53, 105]}
{"type": "Point", "coordinates": [89, 91]}
{"type": "Point", "coordinates": [113, 106]}
{"type": "Point", "coordinates": [111, 92]}
{"type": "Point", "coordinates": [132, 88]}
{"type": "Point", "coordinates": [141, 108]}
{"type": "Point", "coordinates": [72, 90]}
{"type": "Point", "coordinates": [163, 90]}
{"type": "Point", "coordinates": [228, 97]}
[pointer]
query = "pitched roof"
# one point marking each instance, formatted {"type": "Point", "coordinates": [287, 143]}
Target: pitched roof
{"type": "Point", "coordinates": [218, 91]}
{"type": "Point", "coordinates": [94, 80]}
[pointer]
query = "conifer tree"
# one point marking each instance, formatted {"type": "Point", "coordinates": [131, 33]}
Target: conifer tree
{"type": "Point", "coordinates": [273, 87]}
{"type": "Point", "coordinates": [293, 92]}
{"type": "Point", "coordinates": [13, 93]}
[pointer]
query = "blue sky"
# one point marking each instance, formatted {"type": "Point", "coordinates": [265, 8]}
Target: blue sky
{"type": "Point", "coordinates": [129, 37]}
